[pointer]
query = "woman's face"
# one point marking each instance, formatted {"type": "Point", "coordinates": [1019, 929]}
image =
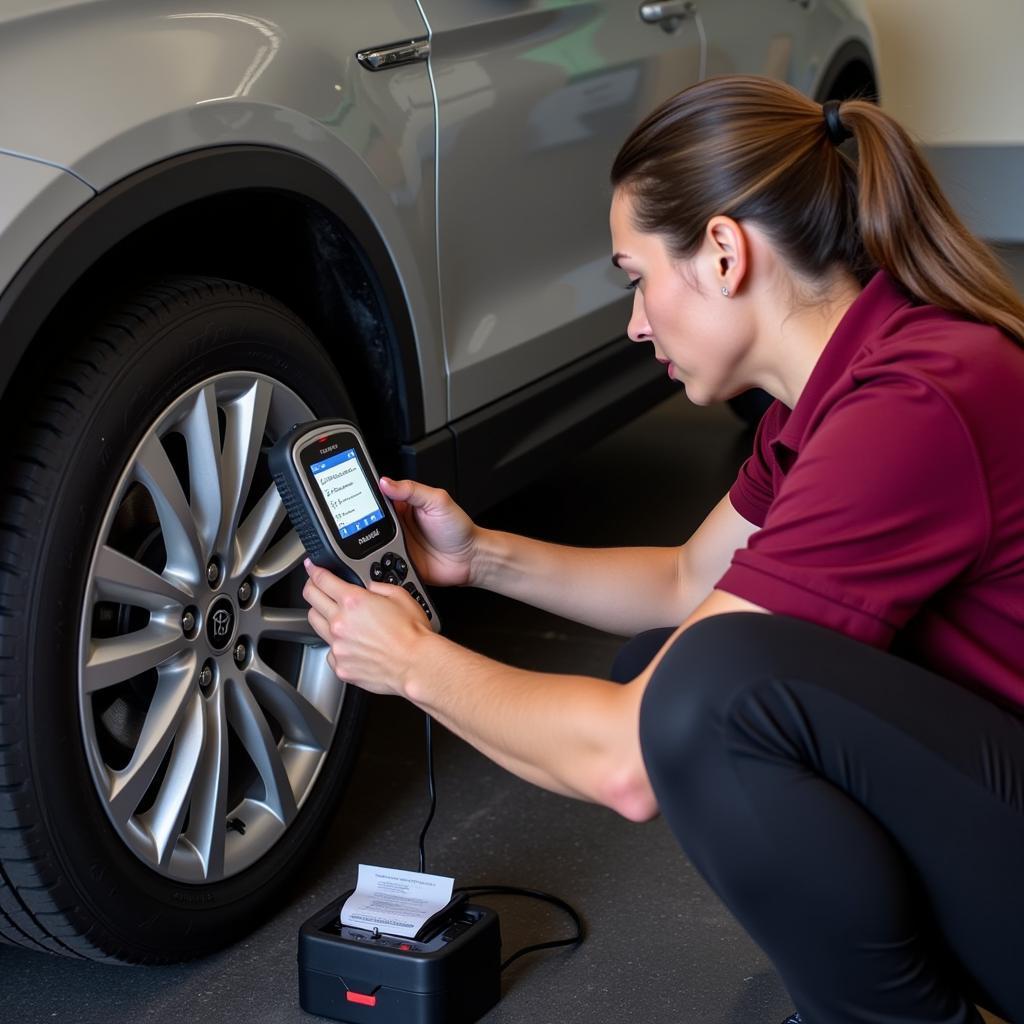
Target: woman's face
{"type": "Point", "coordinates": [680, 309]}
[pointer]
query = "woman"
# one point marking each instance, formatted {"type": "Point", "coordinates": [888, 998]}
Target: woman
{"type": "Point", "coordinates": [835, 733]}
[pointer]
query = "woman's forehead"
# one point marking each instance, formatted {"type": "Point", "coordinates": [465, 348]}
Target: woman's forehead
{"type": "Point", "coordinates": [624, 232]}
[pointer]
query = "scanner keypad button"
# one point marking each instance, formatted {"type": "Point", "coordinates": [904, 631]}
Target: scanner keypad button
{"type": "Point", "coordinates": [391, 569]}
{"type": "Point", "coordinates": [421, 600]}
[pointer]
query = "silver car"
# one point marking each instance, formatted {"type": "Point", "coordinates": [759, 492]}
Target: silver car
{"type": "Point", "coordinates": [214, 226]}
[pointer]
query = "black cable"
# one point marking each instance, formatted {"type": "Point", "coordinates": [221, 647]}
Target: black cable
{"type": "Point", "coordinates": [496, 890]}
{"type": "Point", "coordinates": [431, 790]}
{"type": "Point", "coordinates": [515, 890]}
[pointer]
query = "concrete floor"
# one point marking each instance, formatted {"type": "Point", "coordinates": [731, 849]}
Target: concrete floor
{"type": "Point", "coordinates": [661, 949]}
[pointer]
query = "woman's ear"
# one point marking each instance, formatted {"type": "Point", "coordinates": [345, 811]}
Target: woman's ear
{"type": "Point", "coordinates": [726, 245]}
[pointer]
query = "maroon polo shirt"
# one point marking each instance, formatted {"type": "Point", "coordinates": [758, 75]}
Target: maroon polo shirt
{"type": "Point", "coordinates": [890, 499]}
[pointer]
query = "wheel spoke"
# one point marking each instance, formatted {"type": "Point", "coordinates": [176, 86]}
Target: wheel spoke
{"type": "Point", "coordinates": [254, 732]}
{"type": "Point", "coordinates": [122, 579]}
{"type": "Point", "coordinates": [202, 434]}
{"type": "Point", "coordinates": [114, 660]}
{"type": "Point", "coordinates": [299, 719]}
{"type": "Point", "coordinates": [288, 624]}
{"type": "Point", "coordinates": [246, 421]}
{"type": "Point", "coordinates": [207, 827]}
{"type": "Point", "coordinates": [255, 534]}
{"type": "Point", "coordinates": [195, 492]}
{"type": "Point", "coordinates": [154, 471]}
{"type": "Point", "coordinates": [285, 556]}
{"type": "Point", "coordinates": [165, 818]}
{"type": "Point", "coordinates": [170, 700]}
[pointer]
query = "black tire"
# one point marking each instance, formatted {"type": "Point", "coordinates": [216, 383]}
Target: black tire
{"type": "Point", "coordinates": [68, 882]}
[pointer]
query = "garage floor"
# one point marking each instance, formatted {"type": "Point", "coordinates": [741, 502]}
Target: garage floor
{"type": "Point", "coordinates": [661, 949]}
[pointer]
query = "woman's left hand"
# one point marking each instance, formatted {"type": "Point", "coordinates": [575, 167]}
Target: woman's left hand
{"type": "Point", "coordinates": [371, 633]}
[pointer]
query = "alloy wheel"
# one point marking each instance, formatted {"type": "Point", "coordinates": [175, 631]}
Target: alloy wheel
{"type": "Point", "coordinates": [206, 703]}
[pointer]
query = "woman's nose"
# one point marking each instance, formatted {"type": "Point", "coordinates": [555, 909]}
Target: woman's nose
{"type": "Point", "coordinates": [639, 329]}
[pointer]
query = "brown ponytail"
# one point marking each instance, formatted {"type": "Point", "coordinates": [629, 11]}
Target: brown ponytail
{"type": "Point", "coordinates": [754, 148]}
{"type": "Point", "coordinates": [909, 227]}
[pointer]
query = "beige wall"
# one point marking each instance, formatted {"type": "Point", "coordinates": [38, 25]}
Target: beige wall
{"type": "Point", "coordinates": [952, 71]}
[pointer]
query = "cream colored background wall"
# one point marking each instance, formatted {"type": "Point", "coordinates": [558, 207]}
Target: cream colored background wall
{"type": "Point", "coordinates": [953, 70]}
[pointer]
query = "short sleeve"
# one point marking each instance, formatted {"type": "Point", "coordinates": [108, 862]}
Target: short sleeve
{"type": "Point", "coordinates": [754, 489]}
{"type": "Point", "coordinates": [884, 506]}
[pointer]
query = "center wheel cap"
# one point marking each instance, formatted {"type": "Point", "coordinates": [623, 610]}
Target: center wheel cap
{"type": "Point", "coordinates": [220, 623]}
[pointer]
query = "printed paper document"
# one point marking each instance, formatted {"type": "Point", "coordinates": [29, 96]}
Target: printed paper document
{"type": "Point", "coordinates": [394, 901]}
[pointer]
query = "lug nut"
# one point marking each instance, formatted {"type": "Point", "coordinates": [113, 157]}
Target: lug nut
{"type": "Point", "coordinates": [207, 678]}
{"type": "Point", "coordinates": [241, 653]}
{"type": "Point", "coordinates": [212, 573]}
{"type": "Point", "coordinates": [244, 592]}
{"type": "Point", "coordinates": [190, 622]}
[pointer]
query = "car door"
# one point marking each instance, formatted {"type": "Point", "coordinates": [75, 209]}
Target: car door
{"type": "Point", "coordinates": [534, 98]}
{"type": "Point", "coordinates": [763, 38]}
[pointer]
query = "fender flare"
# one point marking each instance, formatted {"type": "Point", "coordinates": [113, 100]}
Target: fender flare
{"type": "Point", "coordinates": [101, 223]}
{"type": "Point", "coordinates": [851, 52]}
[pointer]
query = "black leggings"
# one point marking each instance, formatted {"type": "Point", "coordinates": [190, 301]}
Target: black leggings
{"type": "Point", "coordinates": [862, 818]}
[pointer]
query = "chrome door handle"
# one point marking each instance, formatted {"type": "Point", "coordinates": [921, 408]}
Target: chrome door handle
{"type": "Point", "coordinates": [381, 57]}
{"type": "Point", "coordinates": [667, 11]}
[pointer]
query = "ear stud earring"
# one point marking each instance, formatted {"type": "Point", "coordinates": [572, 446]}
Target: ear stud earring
{"type": "Point", "coordinates": [725, 291]}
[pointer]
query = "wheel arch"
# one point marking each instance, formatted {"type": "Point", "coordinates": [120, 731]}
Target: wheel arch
{"type": "Point", "coordinates": [850, 72]}
{"type": "Point", "coordinates": [270, 218]}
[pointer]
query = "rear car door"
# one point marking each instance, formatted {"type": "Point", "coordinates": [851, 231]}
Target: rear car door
{"type": "Point", "coordinates": [761, 38]}
{"type": "Point", "coordinates": [534, 98]}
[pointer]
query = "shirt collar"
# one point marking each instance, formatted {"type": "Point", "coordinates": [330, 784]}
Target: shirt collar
{"type": "Point", "coordinates": [881, 297]}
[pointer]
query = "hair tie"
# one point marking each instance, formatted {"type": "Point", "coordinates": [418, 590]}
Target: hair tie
{"type": "Point", "coordinates": [838, 133]}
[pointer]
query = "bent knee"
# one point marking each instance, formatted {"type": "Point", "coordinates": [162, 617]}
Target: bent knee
{"type": "Point", "coordinates": [694, 689]}
{"type": "Point", "coordinates": [637, 653]}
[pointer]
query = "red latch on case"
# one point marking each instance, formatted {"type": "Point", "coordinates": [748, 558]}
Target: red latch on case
{"type": "Point", "coordinates": [358, 997]}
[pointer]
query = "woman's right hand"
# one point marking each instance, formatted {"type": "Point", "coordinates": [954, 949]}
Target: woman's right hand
{"type": "Point", "coordinates": [440, 537]}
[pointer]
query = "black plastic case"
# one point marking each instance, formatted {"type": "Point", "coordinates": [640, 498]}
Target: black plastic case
{"type": "Point", "coordinates": [450, 977]}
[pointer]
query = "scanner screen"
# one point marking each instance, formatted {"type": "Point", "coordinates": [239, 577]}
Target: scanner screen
{"type": "Point", "coordinates": [347, 492]}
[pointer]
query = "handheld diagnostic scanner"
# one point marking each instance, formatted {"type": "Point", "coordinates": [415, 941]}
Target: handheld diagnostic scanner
{"type": "Point", "coordinates": [329, 488]}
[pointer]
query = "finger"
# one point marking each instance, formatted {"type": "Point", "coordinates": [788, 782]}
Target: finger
{"type": "Point", "coordinates": [333, 587]}
{"type": "Point", "coordinates": [415, 494]}
{"type": "Point", "coordinates": [399, 594]}
{"type": "Point", "coordinates": [321, 625]}
{"type": "Point", "coordinates": [317, 599]}
{"type": "Point", "coordinates": [388, 590]}
{"type": "Point", "coordinates": [397, 490]}
{"type": "Point", "coordinates": [410, 527]}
